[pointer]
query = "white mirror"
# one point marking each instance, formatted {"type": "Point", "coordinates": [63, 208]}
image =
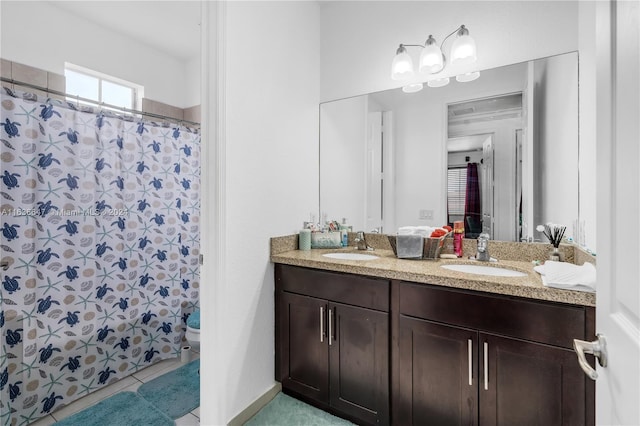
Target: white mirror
{"type": "Point", "coordinates": [385, 157]}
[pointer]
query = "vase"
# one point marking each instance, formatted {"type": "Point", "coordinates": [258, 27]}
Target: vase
{"type": "Point", "coordinates": [556, 254]}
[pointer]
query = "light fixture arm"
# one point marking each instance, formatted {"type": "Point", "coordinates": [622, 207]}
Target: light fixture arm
{"type": "Point", "coordinates": [402, 47]}
{"type": "Point", "coordinates": [462, 30]}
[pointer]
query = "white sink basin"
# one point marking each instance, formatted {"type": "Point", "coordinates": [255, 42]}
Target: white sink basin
{"type": "Point", "coordinates": [351, 256]}
{"type": "Point", "coordinates": [484, 270]}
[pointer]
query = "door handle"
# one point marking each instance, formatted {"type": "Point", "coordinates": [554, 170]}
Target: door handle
{"type": "Point", "coordinates": [470, 350]}
{"type": "Point", "coordinates": [598, 348]}
{"type": "Point", "coordinates": [330, 327]}
{"type": "Point", "coordinates": [486, 366]}
{"type": "Point", "coordinates": [321, 324]}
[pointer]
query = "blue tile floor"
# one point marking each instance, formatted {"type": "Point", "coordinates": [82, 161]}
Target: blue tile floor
{"type": "Point", "coordinates": [128, 384]}
{"type": "Point", "coordinates": [284, 410]}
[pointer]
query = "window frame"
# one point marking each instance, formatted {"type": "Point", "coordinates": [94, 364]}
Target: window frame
{"type": "Point", "coordinates": [137, 90]}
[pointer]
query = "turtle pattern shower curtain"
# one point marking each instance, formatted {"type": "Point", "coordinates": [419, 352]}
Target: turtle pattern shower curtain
{"type": "Point", "coordinates": [100, 227]}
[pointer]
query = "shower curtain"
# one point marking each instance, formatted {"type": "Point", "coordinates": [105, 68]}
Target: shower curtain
{"type": "Point", "coordinates": [100, 227]}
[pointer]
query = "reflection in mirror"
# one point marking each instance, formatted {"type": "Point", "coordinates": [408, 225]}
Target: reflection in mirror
{"type": "Point", "coordinates": [478, 130]}
{"type": "Point", "coordinates": [466, 165]}
{"type": "Point", "coordinates": [391, 159]}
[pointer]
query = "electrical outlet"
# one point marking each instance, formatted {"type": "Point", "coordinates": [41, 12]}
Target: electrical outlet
{"type": "Point", "coordinates": [425, 214]}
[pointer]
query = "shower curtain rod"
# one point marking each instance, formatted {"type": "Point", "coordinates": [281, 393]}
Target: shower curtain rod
{"type": "Point", "coordinates": [91, 101]}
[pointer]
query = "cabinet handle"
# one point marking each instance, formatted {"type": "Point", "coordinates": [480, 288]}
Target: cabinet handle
{"type": "Point", "coordinates": [330, 327]}
{"type": "Point", "coordinates": [470, 346]}
{"type": "Point", "coordinates": [486, 366]}
{"type": "Point", "coordinates": [321, 324]}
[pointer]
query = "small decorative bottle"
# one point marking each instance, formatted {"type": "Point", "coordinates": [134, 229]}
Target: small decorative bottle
{"type": "Point", "coordinates": [344, 232]}
{"type": "Point", "coordinates": [458, 237]}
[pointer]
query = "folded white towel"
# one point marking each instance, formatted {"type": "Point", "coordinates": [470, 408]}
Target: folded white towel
{"type": "Point", "coordinates": [425, 231]}
{"type": "Point", "coordinates": [406, 230]}
{"type": "Point", "coordinates": [568, 276]}
{"type": "Point", "coordinates": [412, 230]}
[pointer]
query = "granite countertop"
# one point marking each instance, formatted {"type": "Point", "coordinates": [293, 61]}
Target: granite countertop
{"type": "Point", "coordinates": [430, 272]}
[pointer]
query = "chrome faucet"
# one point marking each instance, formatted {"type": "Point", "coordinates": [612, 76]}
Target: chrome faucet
{"type": "Point", "coordinates": [361, 242]}
{"type": "Point", "coordinates": [482, 250]}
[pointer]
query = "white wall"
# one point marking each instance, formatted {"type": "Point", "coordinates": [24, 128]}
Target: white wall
{"type": "Point", "coordinates": [41, 35]}
{"type": "Point", "coordinates": [192, 82]}
{"type": "Point", "coordinates": [342, 160]}
{"type": "Point", "coordinates": [359, 38]}
{"type": "Point", "coordinates": [457, 159]}
{"type": "Point", "coordinates": [269, 132]}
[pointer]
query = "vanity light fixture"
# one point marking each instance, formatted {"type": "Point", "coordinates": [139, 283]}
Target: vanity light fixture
{"type": "Point", "coordinates": [469, 76]}
{"type": "Point", "coordinates": [412, 88]}
{"type": "Point", "coordinates": [433, 61]}
{"type": "Point", "coordinates": [402, 65]}
{"type": "Point", "coordinates": [438, 82]}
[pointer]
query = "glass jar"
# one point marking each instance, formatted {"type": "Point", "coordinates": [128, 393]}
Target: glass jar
{"type": "Point", "coordinates": [556, 255]}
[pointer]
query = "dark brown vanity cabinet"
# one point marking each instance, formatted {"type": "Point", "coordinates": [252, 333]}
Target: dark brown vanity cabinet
{"type": "Point", "coordinates": [473, 358]}
{"type": "Point", "coordinates": [434, 366]}
{"type": "Point", "coordinates": [332, 341]}
{"type": "Point", "coordinates": [380, 352]}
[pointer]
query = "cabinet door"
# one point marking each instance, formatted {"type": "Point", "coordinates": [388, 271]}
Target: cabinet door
{"type": "Point", "coordinates": [525, 383]}
{"type": "Point", "coordinates": [438, 374]}
{"type": "Point", "coordinates": [359, 362]}
{"type": "Point", "coordinates": [304, 357]}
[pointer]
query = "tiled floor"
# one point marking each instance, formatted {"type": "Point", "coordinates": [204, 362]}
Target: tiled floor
{"type": "Point", "coordinates": [286, 410]}
{"type": "Point", "coordinates": [128, 384]}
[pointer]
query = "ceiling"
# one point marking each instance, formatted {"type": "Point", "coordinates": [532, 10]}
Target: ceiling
{"type": "Point", "coordinates": [172, 27]}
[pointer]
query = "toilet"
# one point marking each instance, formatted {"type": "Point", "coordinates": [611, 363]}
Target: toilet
{"type": "Point", "coordinates": [193, 330]}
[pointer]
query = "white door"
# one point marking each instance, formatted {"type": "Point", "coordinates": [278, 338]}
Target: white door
{"type": "Point", "coordinates": [373, 165]}
{"type": "Point", "coordinates": [487, 186]}
{"type": "Point", "coordinates": [618, 227]}
{"type": "Point", "coordinates": [388, 174]}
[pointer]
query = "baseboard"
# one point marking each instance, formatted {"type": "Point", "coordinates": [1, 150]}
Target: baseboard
{"type": "Point", "coordinates": [255, 406]}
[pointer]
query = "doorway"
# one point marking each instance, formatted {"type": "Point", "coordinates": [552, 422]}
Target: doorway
{"type": "Point", "coordinates": [489, 125]}
{"type": "Point", "coordinates": [470, 183]}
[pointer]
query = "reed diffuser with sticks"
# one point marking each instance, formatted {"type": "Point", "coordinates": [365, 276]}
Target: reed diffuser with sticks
{"type": "Point", "coordinates": [554, 233]}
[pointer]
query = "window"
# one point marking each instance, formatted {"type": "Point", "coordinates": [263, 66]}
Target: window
{"type": "Point", "coordinates": [101, 88]}
{"type": "Point", "coordinates": [456, 192]}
